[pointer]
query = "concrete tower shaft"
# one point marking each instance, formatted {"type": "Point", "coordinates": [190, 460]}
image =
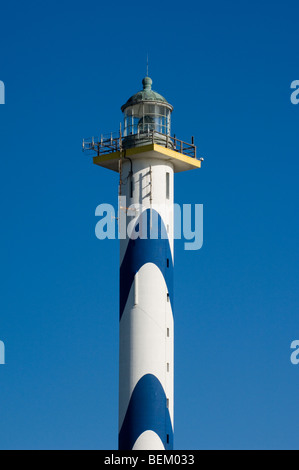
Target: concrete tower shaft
{"type": "Point", "coordinates": [146, 301]}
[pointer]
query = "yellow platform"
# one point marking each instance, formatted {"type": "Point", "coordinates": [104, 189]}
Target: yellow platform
{"type": "Point", "coordinates": [180, 162]}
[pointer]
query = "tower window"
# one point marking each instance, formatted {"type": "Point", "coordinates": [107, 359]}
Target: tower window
{"type": "Point", "coordinates": [131, 187]}
{"type": "Point", "coordinates": [167, 262]}
{"type": "Point", "coordinates": [167, 332]}
{"type": "Point", "coordinates": [167, 438]}
{"type": "Point", "coordinates": [167, 296]}
{"type": "Point", "coordinates": [167, 185]}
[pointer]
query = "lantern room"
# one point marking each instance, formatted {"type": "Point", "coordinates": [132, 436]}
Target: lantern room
{"type": "Point", "coordinates": [147, 116]}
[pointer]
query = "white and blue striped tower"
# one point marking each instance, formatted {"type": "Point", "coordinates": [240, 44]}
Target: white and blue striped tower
{"type": "Point", "coordinates": [146, 156]}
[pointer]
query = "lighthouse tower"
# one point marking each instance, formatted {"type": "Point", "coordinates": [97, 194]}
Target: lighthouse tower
{"type": "Point", "coordinates": [146, 157]}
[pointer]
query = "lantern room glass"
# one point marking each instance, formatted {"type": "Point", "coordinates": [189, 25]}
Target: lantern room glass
{"type": "Point", "coordinates": [146, 117]}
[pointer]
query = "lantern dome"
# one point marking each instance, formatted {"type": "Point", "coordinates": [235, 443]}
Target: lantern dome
{"type": "Point", "coordinates": [146, 95]}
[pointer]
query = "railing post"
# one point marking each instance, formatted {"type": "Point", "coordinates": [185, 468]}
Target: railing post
{"type": "Point", "coordinates": [120, 137]}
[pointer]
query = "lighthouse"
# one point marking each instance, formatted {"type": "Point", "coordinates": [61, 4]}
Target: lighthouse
{"type": "Point", "coordinates": [146, 155]}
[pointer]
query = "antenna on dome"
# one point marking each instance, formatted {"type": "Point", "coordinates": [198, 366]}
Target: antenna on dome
{"type": "Point", "coordinates": [147, 65]}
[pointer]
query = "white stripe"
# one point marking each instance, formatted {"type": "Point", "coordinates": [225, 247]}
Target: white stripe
{"type": "Point", "coordinates": [148, 440]}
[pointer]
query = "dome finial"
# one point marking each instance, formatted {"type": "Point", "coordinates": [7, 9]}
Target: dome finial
{"type": "Point", "coordinates": [147, 64]}
{"type": "Point", "coordinates": [147, 83]}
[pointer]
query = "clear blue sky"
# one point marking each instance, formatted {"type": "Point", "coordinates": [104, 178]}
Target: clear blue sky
{"type": "Point", "coordinates": [227, 69]}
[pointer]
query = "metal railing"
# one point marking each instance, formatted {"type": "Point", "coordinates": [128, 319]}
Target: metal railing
{"type": "Point", "coordinates": [115, 142]}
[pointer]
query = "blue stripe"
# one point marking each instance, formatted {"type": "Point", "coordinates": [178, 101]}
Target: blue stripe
{"type": "Point", "coordinates": [148, 250]}
{"type": "Point", "coordinates": [147, 411]}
